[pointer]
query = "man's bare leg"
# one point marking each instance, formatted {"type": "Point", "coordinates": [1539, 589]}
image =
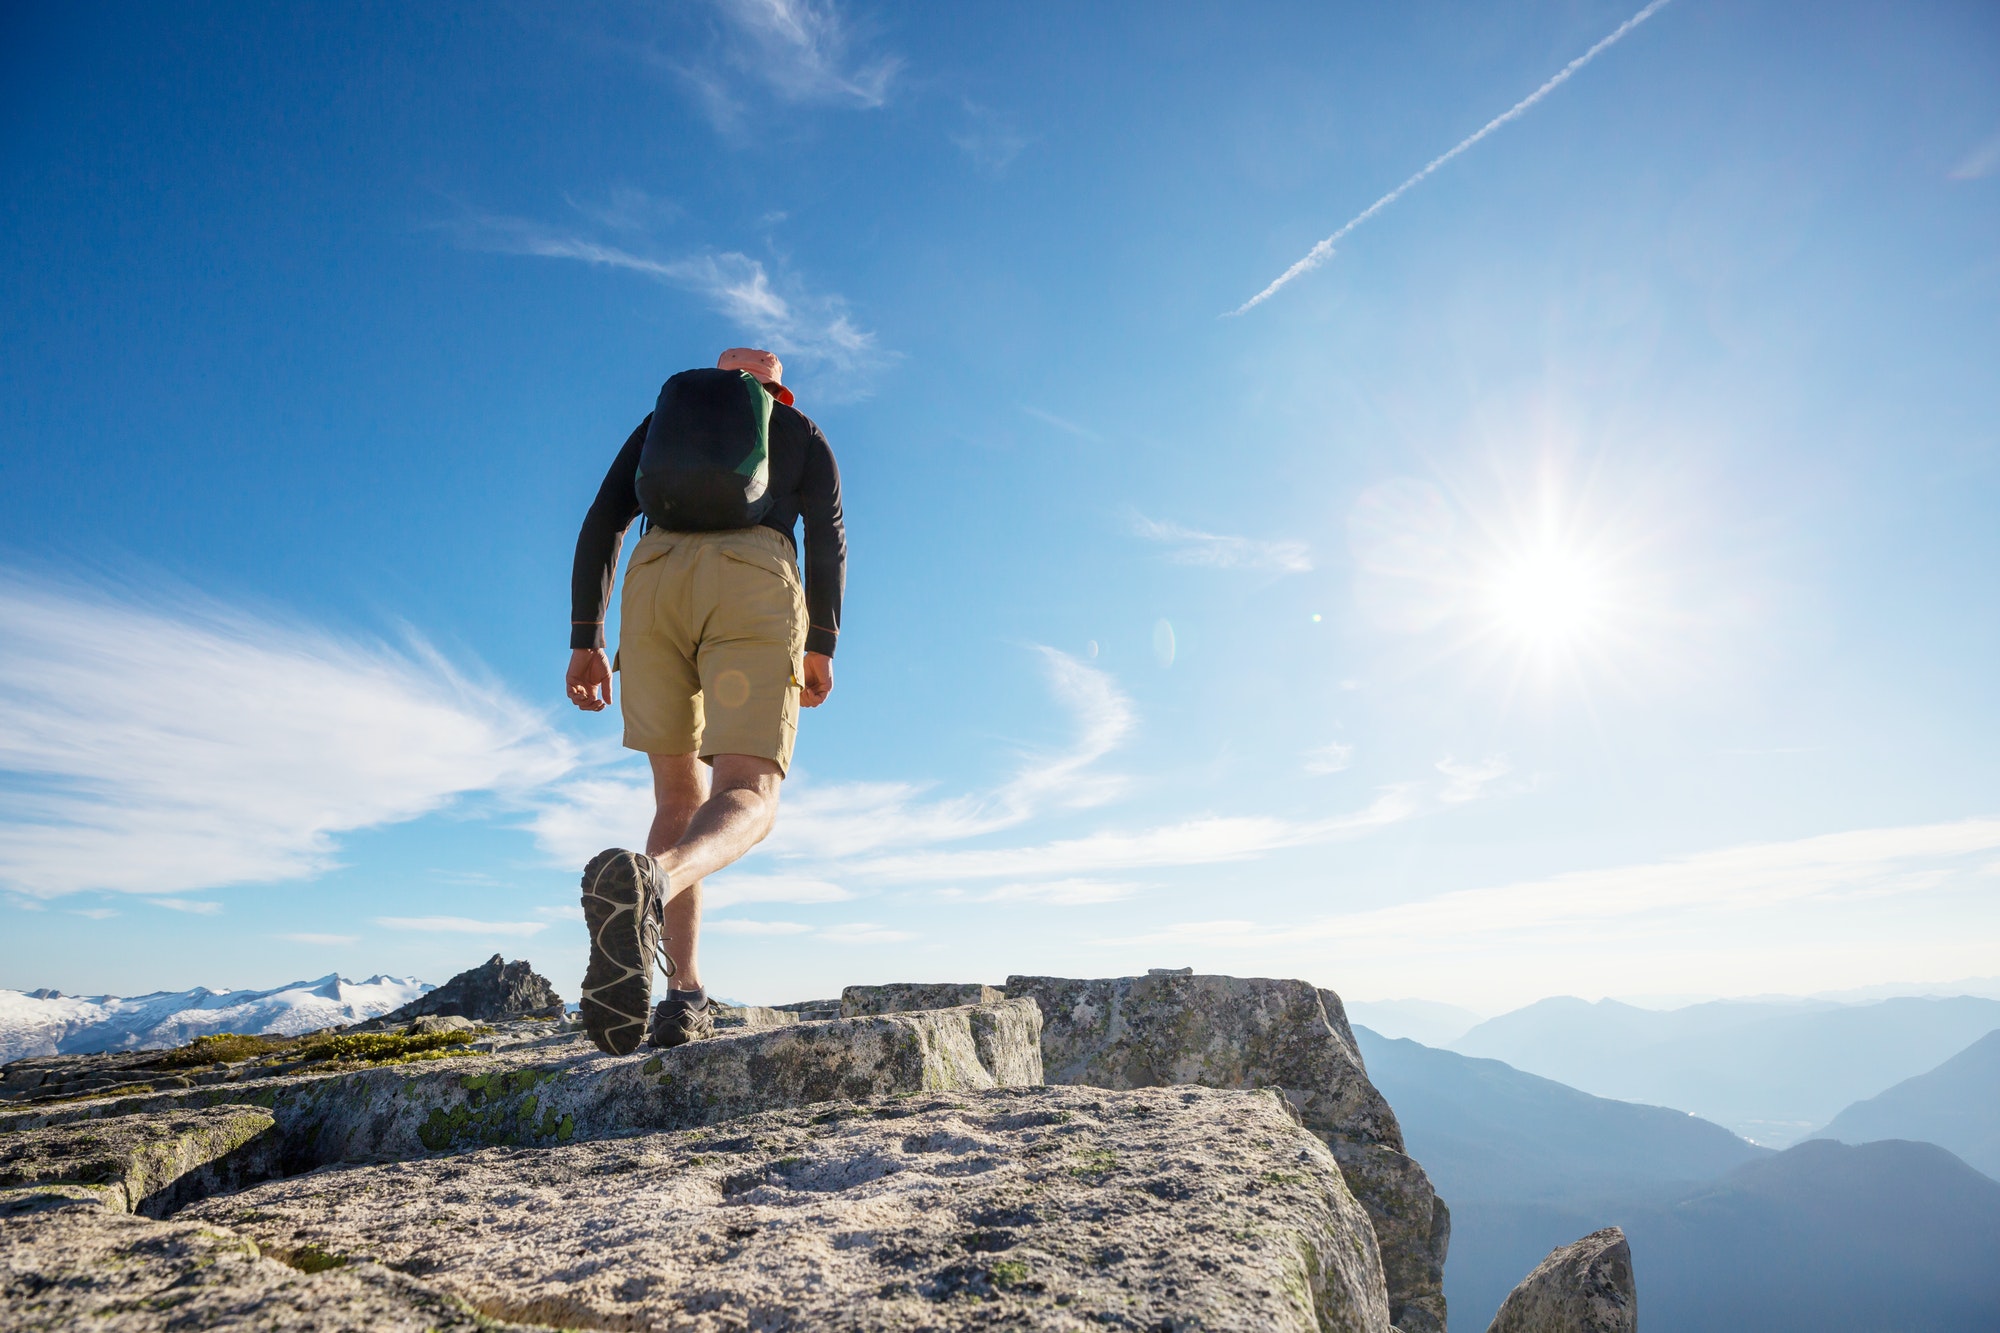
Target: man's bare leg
{"type": "Point", "coordinates": [701, 825]}
{"type": "Point", "coordinates": [742, 805]}
{"type": "Point", "coordinates": [680, 785]}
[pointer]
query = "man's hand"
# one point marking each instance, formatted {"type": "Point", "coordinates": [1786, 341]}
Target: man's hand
{"type": "Point", "coordinates": [819, 680]}
{"type": "Point", "coordinates": [589, 679]}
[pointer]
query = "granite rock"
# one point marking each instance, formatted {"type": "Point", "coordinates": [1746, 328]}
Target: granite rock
{"type": "Point", "coordinates": [753, 1016]}
{"type": "Point", "coordinates": [1046, 1208]}
{"type": "Point", "coordinates": [1173, 1027]}
{"type": "Point", "coordinates": [68, 1263]}
{"type": "Point", "coordinates": [494, 989]}
{"type": "Point", "coordinates": [1584, 1287]}
{"type": "Point", "coordinates": [905, 996]}
{"type": "Point", "coordinates": [146, 1164]}
{"type": "Point", "coordinates": [559, 1089]}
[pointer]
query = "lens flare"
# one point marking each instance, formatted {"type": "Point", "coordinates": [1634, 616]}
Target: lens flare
{"type": "Point", "coordinates": [1549, 597]}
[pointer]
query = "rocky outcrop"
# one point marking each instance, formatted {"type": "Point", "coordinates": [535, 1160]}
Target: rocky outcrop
{"type": "Point", "coordinates": [1213, 1157]}
{"type": "Point", "coordinates": [1584, 1287]}
{"type": "Point", "coordinates": [553, 1092]}
{"type": "Point", "coordinates": [1049, 1208]}
{"type": "Point", "coordinates": [147, 1164]}
{"type": "Point", "coordinates": [66, 1262]}
{"type": "Point", "coordinates": [494, 989]}
{"type": "Point", "coordinates": [1172, 1027]}
{"type": "Point", "coordinates": [906, 996]}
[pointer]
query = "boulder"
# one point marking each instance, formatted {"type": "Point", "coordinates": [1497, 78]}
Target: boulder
{"type": "Point", "coordinates": [905, 996]}
{"type": "Point", "coordinates": [69, 1263]}
{"type": "Point", "coordinates": [1056, 1208]}
{"type": "Point", "coordinates": [561, 1090]}
{"type": "Point", "coordinates": [494, 989]}
{"type": "Point", "coordinates": [1584, 1287]}
{"type": "Point", "coordinates": [1172, 1027]}
{"type": "Point", "coordinates": [753, 1016]}
{"type": "Point", "coordinates": [440, 1023]}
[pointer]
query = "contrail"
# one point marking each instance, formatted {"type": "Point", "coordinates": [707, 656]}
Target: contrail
{"type": "Point", "coordinates": [1320, 253]}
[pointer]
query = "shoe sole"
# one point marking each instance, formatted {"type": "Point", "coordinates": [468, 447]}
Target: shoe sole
{"type": "Point", "coordinates": [618, 985]}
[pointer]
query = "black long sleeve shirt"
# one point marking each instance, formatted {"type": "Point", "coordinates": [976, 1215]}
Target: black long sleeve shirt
{"type": "Point", "coordinates": [805, 483]}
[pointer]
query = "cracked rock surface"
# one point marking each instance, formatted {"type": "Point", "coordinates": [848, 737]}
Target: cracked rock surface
{"type": "Point", "coordinates": [67, 1262]}
{"type": "Point", "coordinates": [1173, 1027]}
{"type": "Point", "coordinates": [1045, 1208]}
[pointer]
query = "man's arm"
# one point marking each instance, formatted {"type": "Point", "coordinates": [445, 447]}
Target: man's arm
{"type": "Point", "coordinates": [825, 566]}
{"type": "Point", "coordinates": [594, 570]}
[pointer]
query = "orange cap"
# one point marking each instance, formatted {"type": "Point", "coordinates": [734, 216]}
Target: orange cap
{"type": "Point", "coordinates": [760, 363]}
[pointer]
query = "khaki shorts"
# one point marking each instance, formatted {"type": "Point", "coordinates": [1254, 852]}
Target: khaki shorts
{"type": "Point", "coordinates": [711, 643]}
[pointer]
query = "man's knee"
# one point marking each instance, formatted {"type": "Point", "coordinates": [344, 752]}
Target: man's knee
{"type": "Point", "coordinates": [680, 785]}
{"type": "Point", "coordinates": [747, 772]}
{"type": "Point", "coordinates": [751, 780]}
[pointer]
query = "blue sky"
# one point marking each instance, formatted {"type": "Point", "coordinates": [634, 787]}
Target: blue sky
{"type": "Point", "coordinates": [1582, 582]}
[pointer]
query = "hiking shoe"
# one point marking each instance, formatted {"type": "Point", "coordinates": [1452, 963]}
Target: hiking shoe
{"type": "Point", "coordinates": [621, 906]}
{"type": "Point", "coordinates": [676, 1022]}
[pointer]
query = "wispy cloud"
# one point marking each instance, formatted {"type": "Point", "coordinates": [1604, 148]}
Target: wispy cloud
{"type": "Point", "coordinates": [1327, 759]}
{"type": "Point", "coordinates": [733, 890]}
{"type": "Point", "coordinates": [1204, 841]}
{"type": "Point", "coordinates": [628, 208]}
{"type": "Point", "coordinates": [988, 138]}
{"type": "Point", "coordinates": [459, 925]}
{"type": "Point", "coordinates": [312, 937]}
{"type": "Point", "coordinates": [197, 906]}
{"type": "Point", "coordinates": [194, 745]}
{"type": "Point", "coordinates": [1062, 892]}
{"type": "Point", "coordinates": [1468, 780]}
{"type": "Point", "coordinates": [800, 52]}
{"type": "Point", "coordinates": [780, 313]}
{"type": "Point", "coordinates": [1189, 546]}
{"type": "Point", "coordinates": [732, 926]}
{"type": "Point", "coordinates": [96, 913]}
{"type": "Point", "coordinates": [1980, 163]}
{"type": "Point", "coordinates": [865, 932]}
{"type": "Point", "coordinates": [1062, 424]}
{"type": "Point", "coordinates": [1708, 890]}
{"type": "Point", "coordinates": [1323, 251]}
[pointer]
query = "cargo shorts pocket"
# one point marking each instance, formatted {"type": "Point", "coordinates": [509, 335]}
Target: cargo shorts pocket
{"type": "Point", "coordinates": [761, 598]}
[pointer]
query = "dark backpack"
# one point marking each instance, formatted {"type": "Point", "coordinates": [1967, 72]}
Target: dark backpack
{"type": "Point", "coordinates": [706, 463]}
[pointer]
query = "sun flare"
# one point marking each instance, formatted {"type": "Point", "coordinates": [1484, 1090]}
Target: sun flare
{"type": "Point", "coordinates": [1550, 597]}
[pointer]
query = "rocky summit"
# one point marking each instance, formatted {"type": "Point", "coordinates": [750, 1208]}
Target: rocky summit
{"type": "Point", "coordinates": [494, 989]}
{"type": "Point", "coordinates": [1161, 1152]}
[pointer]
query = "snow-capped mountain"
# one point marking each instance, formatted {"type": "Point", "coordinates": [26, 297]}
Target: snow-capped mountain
{"type": "Point", "coordinates": [46, 1022]}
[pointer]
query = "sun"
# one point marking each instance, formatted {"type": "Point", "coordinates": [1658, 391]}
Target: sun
{"type": "Point", "coordinates": [1551, 597]}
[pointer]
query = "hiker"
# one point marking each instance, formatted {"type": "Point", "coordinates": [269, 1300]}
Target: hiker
{"type": "Point", "coordinates": [719, 646]}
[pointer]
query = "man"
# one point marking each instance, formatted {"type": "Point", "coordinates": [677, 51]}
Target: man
{"type": "Point", "coordinates": [719, 647]}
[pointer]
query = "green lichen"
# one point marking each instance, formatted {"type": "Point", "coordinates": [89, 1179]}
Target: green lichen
{"type": "Point", "coordinates": [309, 1259]}
{"type": "Point", "coordinates": [499, 1109]}
{"type": "Point", "coordinates": [1008, 1273]}
{"type": "Point", "coordinates": [1094, 1165]}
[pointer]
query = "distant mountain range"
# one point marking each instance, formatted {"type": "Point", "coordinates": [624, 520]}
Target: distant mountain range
{"type": "Point", "coordinates": [1427, 1021]}
{"type": "Point", "coordinates": [1725, 1235]}
{"type": "Point", "coordinates": [1771, 1070]}
{"type": "Point", "coordinates": [1488, 1132]}
{"type": "Point", "coordinates": [1956, 1105]}
{"type": "Point", "coordinates": [45, 1022]}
